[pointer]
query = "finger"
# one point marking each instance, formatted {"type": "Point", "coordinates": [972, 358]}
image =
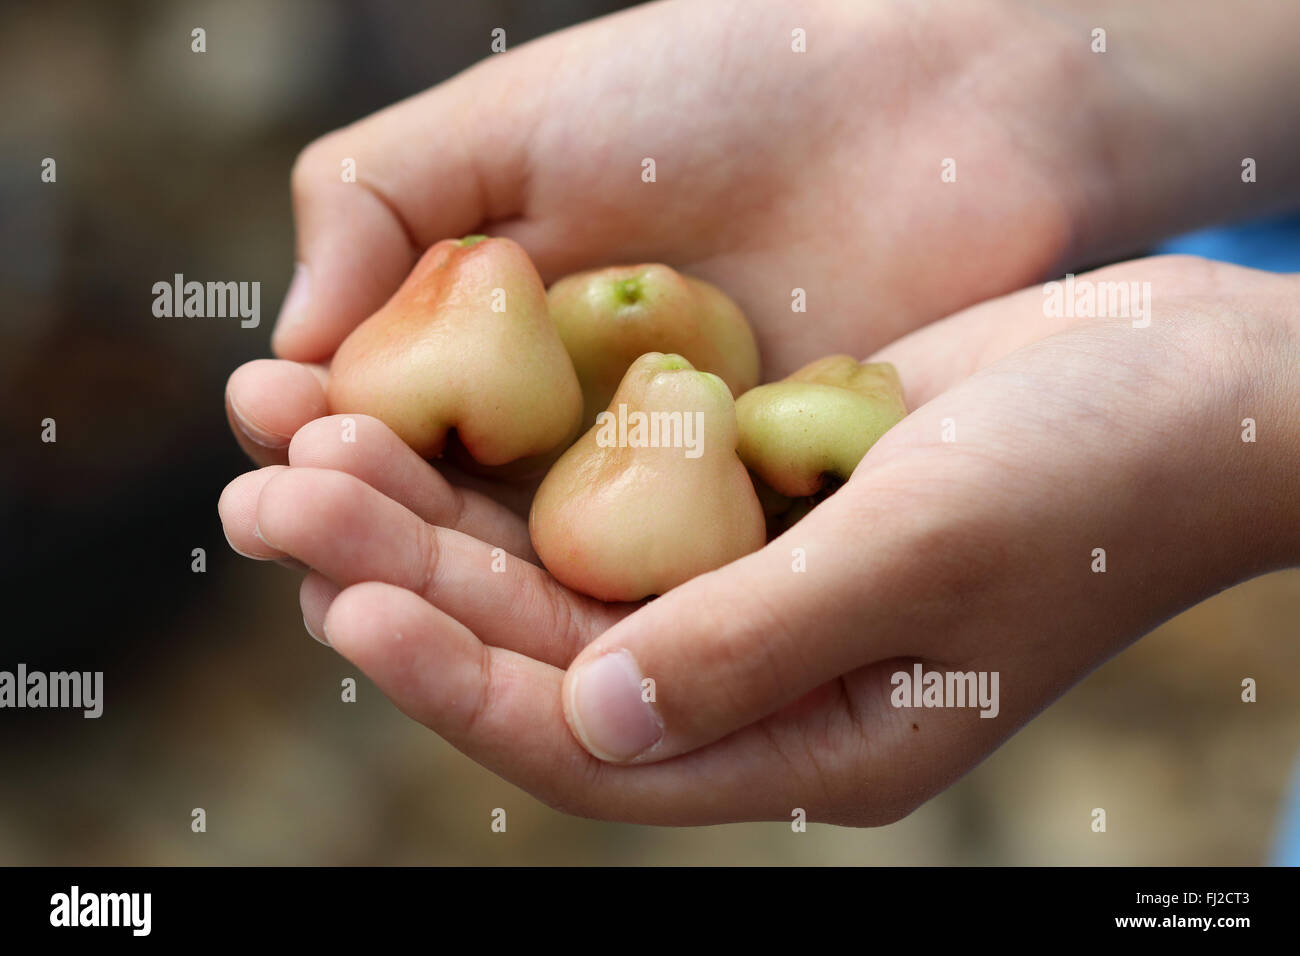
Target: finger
{"type": "Point", "coordinates": [351, 533]}
{"type": "Point", "coordinates": [315, 597]}
{"type": "Point", "coordinates": [237, 507]}
{"type": "Point", "coordinates": [267, 401]}
{"type": "Point", "coordinates": [730, 647]}
{"type": "Point", "coordinates": [503, 710]}
{"type": "Point", "coordinates": [762, 634]}
{"type": "Point", "coordinates": [515, 496]}
{"type": "Point", "coordinates": [437, 165]}
{"type": "Point", "coordinates": [367, 449]}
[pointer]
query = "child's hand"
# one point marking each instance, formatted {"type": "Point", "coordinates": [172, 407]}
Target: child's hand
{"type": "Point", "coordinates": [775, 170]}
{"type": "Point", "coordinates": [772, 687]}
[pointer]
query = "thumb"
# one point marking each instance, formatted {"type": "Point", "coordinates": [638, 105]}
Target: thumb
{"type": "Point", "coordinates": [731, 647]}
{"type": "Point", "coordinates": [369, 198]}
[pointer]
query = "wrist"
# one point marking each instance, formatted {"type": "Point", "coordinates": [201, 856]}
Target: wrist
{"type": "Point", "coordinates": [1162, 129]}
{"type": "Point", "coordinates": [1254, 370]}
{"type": "Point", "coordinates": [1283, 391]}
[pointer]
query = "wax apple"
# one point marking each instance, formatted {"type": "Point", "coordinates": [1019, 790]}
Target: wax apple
{"type": "Point", "coordinates": [815, 425]}
{"type": "Point", "coordinates": [466, 343]}
{"type": "Point", "coordinates": [654, 493]}
{"type": "Point", "coordinates": [609, 317]}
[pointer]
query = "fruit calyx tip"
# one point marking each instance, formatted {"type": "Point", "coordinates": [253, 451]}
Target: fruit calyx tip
{"type": "Point", "coordinates": [628, 291]}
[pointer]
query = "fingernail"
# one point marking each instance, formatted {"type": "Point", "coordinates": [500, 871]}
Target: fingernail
{"type": "Point", "coordinates": [295, 300]}
{"type": "Point", "coordinates": [313, 633]}
{"type": "Point", "coordinates": [242, 554]}
{"type": "Point", "coordinates": [606, 709]}
{"type": "Point", "coordinates": [255, 433]}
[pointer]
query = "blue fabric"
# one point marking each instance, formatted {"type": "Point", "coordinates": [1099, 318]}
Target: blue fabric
{"type": "Point", "coordinates": [1287, 851]}
{"type": "Point", "coordinates": [1274, 246]}
{"type": "Point", "coordinates": [1269, 244]}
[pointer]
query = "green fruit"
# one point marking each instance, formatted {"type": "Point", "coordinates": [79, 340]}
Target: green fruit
{"type": "Point", "coordinates": [817, 423]}
{"type": "Point", "coordinates": [607, 318]}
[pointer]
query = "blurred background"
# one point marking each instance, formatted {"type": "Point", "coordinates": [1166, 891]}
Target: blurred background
{"type": "Point", "coordinates": [172, 162]}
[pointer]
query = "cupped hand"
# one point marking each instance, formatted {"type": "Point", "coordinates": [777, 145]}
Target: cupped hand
{"type": "Point", "coordinates": [968, 540]}
{"type": "Point", "coordinates": [772, 170]}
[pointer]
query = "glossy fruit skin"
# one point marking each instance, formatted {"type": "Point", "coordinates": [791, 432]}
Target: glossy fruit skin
{"type": "Point", "coordinates": [819, 421]}
{"type": "Point", "coordinates": [609, 317]}
{"type": "Point", "coordinates": [439, 356]}
{"type": "Point", "coordinates": [621, 523]}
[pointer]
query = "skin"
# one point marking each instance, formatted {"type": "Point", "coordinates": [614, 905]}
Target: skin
{"type": "Point", "coordinates": [621, 523]}
{"type": "Point", "coordinates": [816, 422]}
{"type": "Point", "coordinates": [607, 318]}
{"type": "Point", "coordinates": [773, 686]}
{"type": "Point", "coordinates": [438, 356]}
{"type": "Point", "coordinates": [816, 162]}
{"type": "Point", "coordinates": [821, 173]}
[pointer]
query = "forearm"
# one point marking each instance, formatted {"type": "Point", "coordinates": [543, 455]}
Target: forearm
{"type": "Point", "coordinates": [1277, 394]}
{"type": "Point", "coordinates": [1194, 89]}
{"type": "Point", "coordinates": [1228, 461]}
